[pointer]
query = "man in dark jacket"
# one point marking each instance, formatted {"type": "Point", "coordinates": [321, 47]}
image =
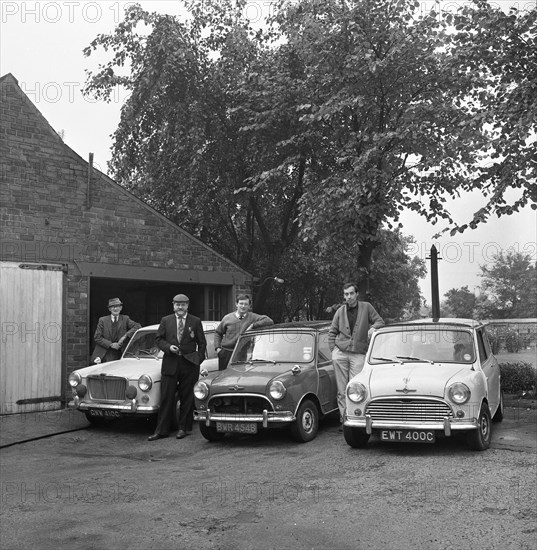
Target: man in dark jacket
{"type": "Point", "coordinates": [112, 333]}
{"type": "Point", "coordinates": [180, 336]}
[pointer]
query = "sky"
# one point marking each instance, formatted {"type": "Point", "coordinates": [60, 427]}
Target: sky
{"type": "Point", "coordinates": [41, 44]}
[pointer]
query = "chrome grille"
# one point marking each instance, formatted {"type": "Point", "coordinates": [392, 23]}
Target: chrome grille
{"type": "Point", "coordinates": [107, 388]}
{"type": "Point", "coordinates": [408, 410]}
{"type": "Point", "coordinates": [239, 404]}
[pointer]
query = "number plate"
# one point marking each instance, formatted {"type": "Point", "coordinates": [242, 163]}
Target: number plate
{"type": "Point", "coordinates": [237, 427]}
{"type": "Point", "coordinates": [408, 436]}
{"type": "Point", "coordinates": [99, 413]}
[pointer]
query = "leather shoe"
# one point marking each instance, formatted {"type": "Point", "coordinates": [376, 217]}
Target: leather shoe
{"type": "Point", "coordinates": [154, 437]}
{"type": "Point", "coordinates": [180, 434]}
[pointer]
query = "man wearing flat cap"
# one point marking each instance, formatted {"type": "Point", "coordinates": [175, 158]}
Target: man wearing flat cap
{"type": "Point", "coordinates": [112, 333]}
{"type": "Point", "coordinates": [180, 336]}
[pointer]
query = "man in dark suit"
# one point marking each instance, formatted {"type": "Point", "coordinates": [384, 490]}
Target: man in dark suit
{"type": "Point", "coordinates": [112, 333]}
{"type": "Point", "coordinates": [180, 336]}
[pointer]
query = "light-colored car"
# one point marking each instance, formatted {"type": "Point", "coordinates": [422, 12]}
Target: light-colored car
{"type": "Point", "coordinates": [278, 376]}
{"type": "Point", "coordinates": [425, 379]}
{"type": "Point", "coordinates": [129, 386]}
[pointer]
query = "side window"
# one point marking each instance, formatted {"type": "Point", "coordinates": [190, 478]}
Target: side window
{"type": "Point", "coordinates": [486, 341]}
{"type": "Point", "coordinates": [483, 355]}
{"type": "Point", "coordinates": [211, 353]}
{"type": "Point", "coordinates": [323, 351]}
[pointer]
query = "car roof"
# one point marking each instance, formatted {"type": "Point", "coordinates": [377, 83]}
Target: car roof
{"type": "Point", "coordinates": [297, 325]}
{"type": "Point", "coordinates": [207, 325]}
{"type": "Point", "coordinates": [442, 321]}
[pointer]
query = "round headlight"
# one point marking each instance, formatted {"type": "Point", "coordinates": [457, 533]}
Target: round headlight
{"type": "Point", "coordinates": [145, 383]}
{"type": "Point", "coordinates": [356, 392]}
{"type": "Point", "coordinates": [74, 379]}
{"type": "Point", "coordinates": [277, 390]}
{"type": "Point", "coordinates": [459, 393]}
{"type": "Point", "coordinates": [201, 390]}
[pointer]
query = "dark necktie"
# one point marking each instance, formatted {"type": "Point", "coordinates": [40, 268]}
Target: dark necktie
{"type": "Point", "coordinates": [180, 326]}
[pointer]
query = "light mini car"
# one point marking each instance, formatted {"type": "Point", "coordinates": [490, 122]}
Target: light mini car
{"type": "Point", "coordinates": [425, 379]}
{"type": "Point", "coordinates": [129, 386]}
{"type": "Point", "coordinates": [278, 376]}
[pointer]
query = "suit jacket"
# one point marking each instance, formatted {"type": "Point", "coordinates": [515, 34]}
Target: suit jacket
{"type": "Point", "coordinates": [192, 345]}
{"type": "Point", "coordinates": [106, 334]}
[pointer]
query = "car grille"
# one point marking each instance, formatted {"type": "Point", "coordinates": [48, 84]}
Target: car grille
{"type": "Point", "coordinates": [109, 388]}
{"type": "Point", "coordinates": [408, 410]}
{"type": "Point", "coordinates": [239, 404]}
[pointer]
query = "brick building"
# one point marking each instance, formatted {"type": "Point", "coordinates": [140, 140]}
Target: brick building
{"type": "Point", "coordinates": [70, 238]}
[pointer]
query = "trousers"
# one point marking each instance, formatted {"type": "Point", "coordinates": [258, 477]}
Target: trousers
{"type": "Point", "coordinates": [346, 365]}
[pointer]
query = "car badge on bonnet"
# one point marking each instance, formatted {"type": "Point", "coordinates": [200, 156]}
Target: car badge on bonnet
{"type": "Point", "coordinates": [405, 390]}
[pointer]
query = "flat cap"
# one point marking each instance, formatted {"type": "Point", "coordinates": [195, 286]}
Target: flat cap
{"type": "Point", "coordinates": [181, 298]}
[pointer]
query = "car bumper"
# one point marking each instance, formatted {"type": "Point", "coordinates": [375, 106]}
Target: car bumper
{"type": "Point", "coordinates": [446, 426]}
{"type": "Point", "coordinates": [266, 419]}
{"type": "Point", "coordinates": [128, 407]}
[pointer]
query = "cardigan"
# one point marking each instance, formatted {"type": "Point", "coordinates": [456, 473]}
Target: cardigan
{"type": "Point", "coordinates": [339, 333]}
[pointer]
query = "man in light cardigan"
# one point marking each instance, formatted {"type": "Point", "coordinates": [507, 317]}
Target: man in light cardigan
{"type": "Point", "coordinates": [233, 325]}
{"type": "Point", "coordinates": [353, 322]}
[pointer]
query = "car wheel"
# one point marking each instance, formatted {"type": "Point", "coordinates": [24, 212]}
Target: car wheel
{"type": "Point", "coordinates": [210, 433]}
{"type": "Point", "coordinates": [479, 440]}
{"type": "Point", "coordinates": [306, 425]}
{"type": "Point", "coordinates": [357, 438]}
{"type": "Point", "coordinates": [498, 415]}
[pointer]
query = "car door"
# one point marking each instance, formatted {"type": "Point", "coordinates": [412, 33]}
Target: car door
{"type": "Point", "coordinates": [327, 392]}
{"type": "Point", "coordinates": [490, 368]}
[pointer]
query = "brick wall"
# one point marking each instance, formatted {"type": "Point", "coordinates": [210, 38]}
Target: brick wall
{"type": "Point", "coordinates": [45, 217]}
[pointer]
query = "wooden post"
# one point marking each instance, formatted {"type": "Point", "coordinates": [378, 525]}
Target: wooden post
{"type": "Point", "coordinates": [435, 296]}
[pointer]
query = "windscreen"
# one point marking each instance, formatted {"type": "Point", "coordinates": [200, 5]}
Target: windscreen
{"type": "Point", "coordinates": [439, 345]}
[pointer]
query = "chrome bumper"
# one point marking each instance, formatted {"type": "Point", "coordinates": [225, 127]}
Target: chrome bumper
{"type": "Point", "coordinates": [447, 425]}
{"type": "Point", "coordinates": [265, 419]}
{"type": "Point", "coordinates": [129, 406]}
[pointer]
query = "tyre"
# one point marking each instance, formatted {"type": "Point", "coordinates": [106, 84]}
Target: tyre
{"type": "Point", "coordinates": [357, 438]}
{"type": "Point", "coordinates": [498, 415]}
{"type": "Point", "coordinates": [479, 440]}
{"type": "Point", "coordinates": [306, 425]}
{"type": "Point", "coordinates": [210, 433]}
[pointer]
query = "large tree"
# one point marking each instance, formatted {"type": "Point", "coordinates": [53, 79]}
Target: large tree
{"type": "Point", "coordinates": [306, 136]}
{"type": "Point", "coordinates": [460, 302]}
{"type": "Point", "coordinates": [510, 284]}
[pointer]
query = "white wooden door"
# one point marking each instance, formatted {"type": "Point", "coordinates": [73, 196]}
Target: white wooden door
{"type": "Point", "coordinates": [31, 297]}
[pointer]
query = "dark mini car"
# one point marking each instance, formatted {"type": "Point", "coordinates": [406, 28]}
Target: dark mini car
{"type": "Point", "coordinates": [424, 379]}
{"type": "Point", "coordinates": [280, 375]}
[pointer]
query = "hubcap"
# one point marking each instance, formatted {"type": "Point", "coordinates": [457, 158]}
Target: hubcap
{"type": "Point", "coordinates": [307, 420]}
{"type": "Point", "coordinates": [484, 427]}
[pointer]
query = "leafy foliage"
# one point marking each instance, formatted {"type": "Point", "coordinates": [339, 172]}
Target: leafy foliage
{"type": "Point", "coordinates": [518, 377]}
{"type": "Point", "coordinates": [510, 284]}
{"type": "Point", "coordinates": [295, 145]}
{"type": "Point", "coordinates": [460, 303]}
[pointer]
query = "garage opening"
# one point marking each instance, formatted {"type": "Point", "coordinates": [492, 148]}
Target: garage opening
{"type": "Point", "coordinates": [146, 302]}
